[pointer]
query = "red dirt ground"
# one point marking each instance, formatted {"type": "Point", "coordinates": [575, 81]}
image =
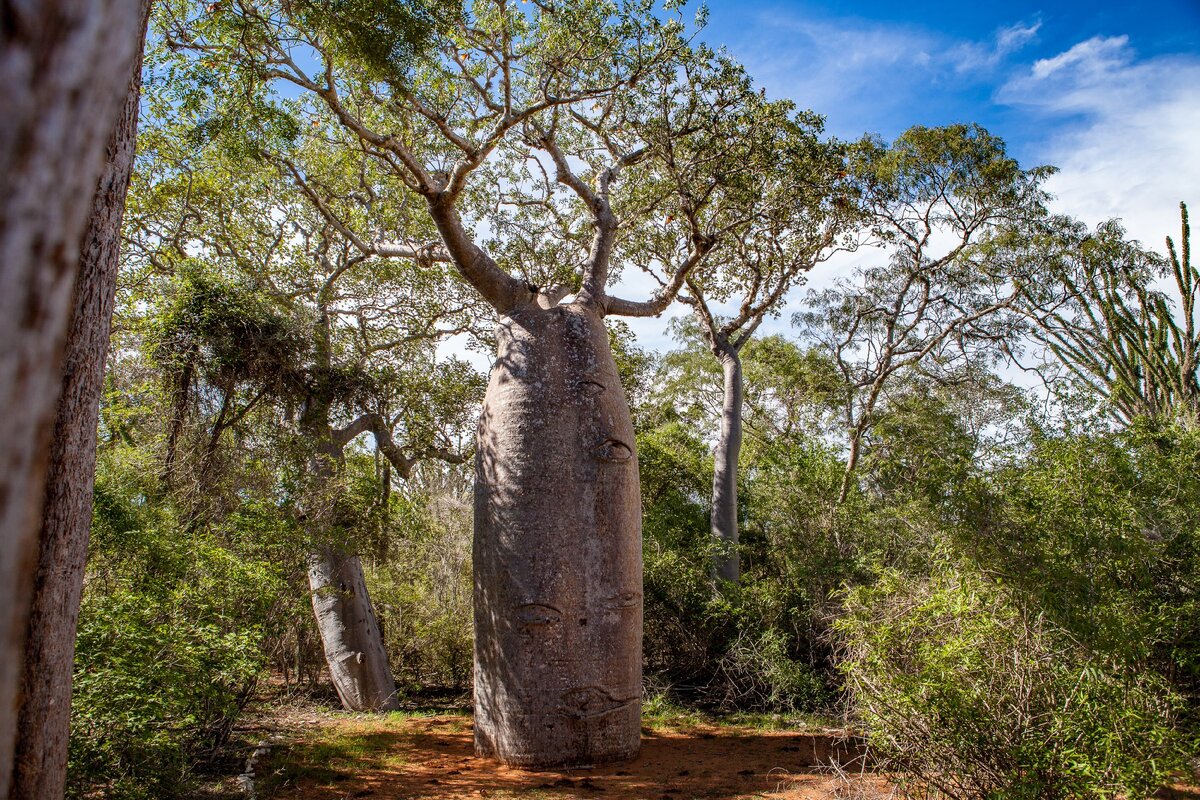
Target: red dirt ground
{"type": "Point", "coordinates": [432, 757]}
{"type": "Point", "coordinates": [334, 756]}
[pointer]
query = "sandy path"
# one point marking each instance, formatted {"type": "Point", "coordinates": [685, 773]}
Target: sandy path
{"type": "Point", "coordinates": [432, 757]}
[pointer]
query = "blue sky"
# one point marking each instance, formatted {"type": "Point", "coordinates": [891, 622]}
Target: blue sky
{"type": "Point", "coordinates": [1109, 92]}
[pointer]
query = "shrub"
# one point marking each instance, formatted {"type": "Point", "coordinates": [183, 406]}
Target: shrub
{"type": "Point", "coordinates": [421, 589]}
{"type": "Point", "coordinates": [972, 696]}
{"type": "Point", "coordinates": [154, 692]}
{"type": "Point", "coordinates": [170, 645]}
{"type": "Point", "coordinates": [759, 673]}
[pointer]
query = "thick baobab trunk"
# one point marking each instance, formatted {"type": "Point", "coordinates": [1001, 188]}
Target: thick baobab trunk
{"type": "Point", "coordinates": [64, 65]}
{"type": "Point", "coordinates": [40, 765]}
{"type": "Point", "coordinates": [350, 634]}
{"type": "Point", "coordinates": [557, 549]}
{"type": "Point", "coordinates": [726, 562]}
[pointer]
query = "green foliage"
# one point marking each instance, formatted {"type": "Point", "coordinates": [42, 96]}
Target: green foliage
{"type": "Point", "coordinates": [962, 165]}
{"type": "Point", "coordinates": [759, 668]}
{"type": "Point", "coordinates": [747, 647]}
{"type": "Point", "coordinates": [919, 447]}
{"type": "Point", "coordinates": [422, 591]}
{"type": "Point", "coordinates": [974, 697]}
{"type": "Point", "coordinates": [171, 644]}
{"type": "Point", "coordinates": [230, 333]}
{"type": "Point", "coordinates": [1101, 531]}
{"type": "Point", "coordinates": [676, 474]}
{"type": "Point", "coordinates": [1016, 618]}
{"type": "Point", "coordinates": [382, 38]}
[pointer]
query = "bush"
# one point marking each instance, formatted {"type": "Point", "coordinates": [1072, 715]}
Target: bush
{"type": "Point", "coordinates": [759, 673]}
{"type": "Point", "coordinates": [154, 692]}
{"type": "Point", "coordinates": [170, 648]}
{"type": "Point", "coordinates": [973, 696]}
{"type": "Point", "coordinates": [421, 590]}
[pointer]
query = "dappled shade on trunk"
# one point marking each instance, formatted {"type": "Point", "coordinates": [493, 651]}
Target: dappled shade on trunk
{"type": "Point", "coordinates": [557, 554]}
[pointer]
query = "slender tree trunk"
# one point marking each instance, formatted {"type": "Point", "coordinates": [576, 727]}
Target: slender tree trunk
{"type": "Point", "coordinates": [40, 765]}
{"type": "Point", "coordinates": [727, 562]}
{"type": "Point", "coordinates": [63, 73]}
{"type": "Point", "coordinates": [350, 634]}
{"type": "Point", "coordinates": [851, 466]}
{"type": "Point", "coordinates": [557, 549]}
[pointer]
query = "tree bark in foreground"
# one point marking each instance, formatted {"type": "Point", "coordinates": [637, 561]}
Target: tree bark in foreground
{"type": "Point", "coordinates": [64, 66]}
{"type": "Point", "coordinates": [727, 562]}
{"type": "Point", "coordinates": [40, 765]}
{"type": "Point", "coordinates": [557, 549]}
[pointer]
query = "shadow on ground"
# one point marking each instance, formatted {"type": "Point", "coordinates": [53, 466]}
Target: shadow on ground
{"type": "Point", "coordinates": [1178, 793]}
{"type": "Point", "coordinates": [417, 758]}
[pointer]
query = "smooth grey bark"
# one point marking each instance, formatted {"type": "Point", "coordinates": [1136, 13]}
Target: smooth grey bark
{"type": "Point", "coordinates": [40, 764]}
{"type": "Point", "coordinates": [724, 522]}
{"type": "Point", "coordinates": [63, 73]}
{"type": "Point", "coordinates": [350, 635]}
{"type": "Point", "coordinates": [557, 559]}
{"type": "Point", "coordinates": [557, 548]}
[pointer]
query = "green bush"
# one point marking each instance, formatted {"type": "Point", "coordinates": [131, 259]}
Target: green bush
{"type": "Point", "coordinates": [1102, 532]}
{"type": "Point", "coordinates": [154, 692]}
{"type": "Point", "coordinates": [759, 673]}
{"type": "Point", "coordinates": [972, 696]}
{"type": "Point", "coordinates": [420, 586]}
{"type": "Point", "coordinates": [171, 643]}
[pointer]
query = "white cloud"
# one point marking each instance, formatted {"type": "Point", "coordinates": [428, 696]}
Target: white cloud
{"type": "Point", "coordinates": [862, 73]}
{"type": "Point", "coordinates": [852, 70]}
{"type": "Point", "coordinates": [986, 56]}
{"type": "Point", "coordinates": [1014, 37]}
{"type": "Point", "coordinates": [1124, 132]}
{"type": "Point", "coordinates": [1094, 56]}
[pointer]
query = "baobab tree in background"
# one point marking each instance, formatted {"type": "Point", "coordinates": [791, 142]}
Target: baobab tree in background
{"type": "Point", "coordinates": [255, 300]}
{"type": "Point", "coordinates": [946, 205]}
{"type": "Point", "coordinates": [754, 269]}
{"type": "Point", "coordinates": [64, 71]}
{"type": "Point", "coordinates": [580, 124]}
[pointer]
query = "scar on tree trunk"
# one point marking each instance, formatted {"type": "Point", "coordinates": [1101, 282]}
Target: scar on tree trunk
{"type": "Point", "coordinates": [557, 548]}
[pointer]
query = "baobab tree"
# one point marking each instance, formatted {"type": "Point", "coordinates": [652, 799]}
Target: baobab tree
{"type": "Point", "coordinates": [588, 126]}
{"type": "Point", "coordinates": [269, 305]}
{"type": "Point", "coordinates": [64, 69]}
{"type": "Point", "coordinates": [808, 214]}
{"type": "Point", "coordinates": [40, 765]}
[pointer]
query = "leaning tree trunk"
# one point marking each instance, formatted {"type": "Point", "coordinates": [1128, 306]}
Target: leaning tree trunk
{"type": "Point", "coordinates": [40, 765]}
{"type": "Point", "coordinates": [557, 549]}
{"type": "Point", "coordinates": [726, 561]}
{"type": "Point", "coordinates": [350, 634]}
{"type": "Point", "coordinates": [64, 65]}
